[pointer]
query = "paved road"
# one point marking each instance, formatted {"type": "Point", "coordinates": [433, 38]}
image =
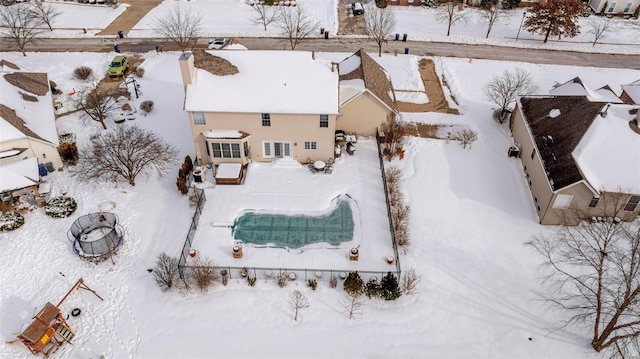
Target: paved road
{"type": "Point", "coordinates": [349, 45]}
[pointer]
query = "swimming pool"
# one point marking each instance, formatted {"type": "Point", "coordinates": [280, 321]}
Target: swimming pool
{"type": "Point", "coordinates": [296, 231]}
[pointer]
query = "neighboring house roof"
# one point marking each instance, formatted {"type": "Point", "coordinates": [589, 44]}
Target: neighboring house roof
{"type": "Point", "coordinates": [26, 106]}
{"type": "Point", "coordinates": [609, 152]}
{"type": "Point", "coordinates": [576, 87]}
{"type": "Point", "coordinates": [376, 79]}
{"type": "Point", "coordinates": [266, 82]}
{"type": "Point", "coordinates": [19, 174]}
{"type": "Point", "coordinates": [633, 91]}
{"type": "Point", "coordinates": [557, 124]}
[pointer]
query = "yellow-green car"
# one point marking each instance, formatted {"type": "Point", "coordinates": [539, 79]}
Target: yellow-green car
{"type": "Point", "coordinates": [119, 65]}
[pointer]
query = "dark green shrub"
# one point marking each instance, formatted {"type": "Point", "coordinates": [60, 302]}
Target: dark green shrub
{"type": "Point", "coordinates": [312, 283]}
{"type": "Point", "coordinates": [373, 289]}
{"type": "Point", "coordinates": [61, 207]}
{"type": "Point", "coordinates": [390, 290]}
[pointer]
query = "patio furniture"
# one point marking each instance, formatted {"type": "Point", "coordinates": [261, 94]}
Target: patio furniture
{"type": "Point", "coordinates": [351, 149]}
{"type": "Point", "coordinates": [328, 169]}
{"type": "Point", "coordinates": [319, 165]}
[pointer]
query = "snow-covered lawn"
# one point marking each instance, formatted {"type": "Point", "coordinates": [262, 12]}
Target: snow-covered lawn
{"type": "Point", "coordinates": [471, 213]}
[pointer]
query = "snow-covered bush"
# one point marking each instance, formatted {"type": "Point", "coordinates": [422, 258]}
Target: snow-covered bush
{"type": "Point", "coordinates": [353, 285]}
{"type": "Point", "coordinates": [372, 289]}
{"type": "Point", "coordinates": [147, 106]}
{"type": "Point", "coordinates": [61, 207]}
{"type": "Point", "coordinates": [282, 280]}
{"type": "Point", "coordinates": [10, 221]}
{"type": "Point", "coordinates": [312, 283]}
{"type": "Point", "coordinates": [82, 72]}
{"type": "Point", "coordinates": [203, 274]}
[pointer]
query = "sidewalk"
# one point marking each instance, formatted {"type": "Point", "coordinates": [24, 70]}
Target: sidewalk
{"type": "Point", "coordinates": [433, 89]}
{"type": "Point", "coordinates": [130, 17]}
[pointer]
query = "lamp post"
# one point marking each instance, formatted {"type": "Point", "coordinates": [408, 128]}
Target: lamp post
{"type": "Point", "coordinates": [521, 22]}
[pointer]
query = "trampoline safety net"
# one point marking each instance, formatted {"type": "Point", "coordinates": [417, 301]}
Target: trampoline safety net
{"type": "Point", "coordinates": [95, 234]}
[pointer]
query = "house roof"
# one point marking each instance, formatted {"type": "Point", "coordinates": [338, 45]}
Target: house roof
{"type": "Point", "coordinates": [26, 106]}
{"type": "Point", "coordinates": [266, 82]}
{"type": "Point", "coordinates": [633, 90]}
{"type": "Point", "coordinates": [609, 152]}
{"type": "Point", "coordinates": [19, 174]}
{"type": "Point", "coordinates": [557, 124]}
{"type": "Point", "coordinates": [576, 87]}
{"type": "Point", "coordinates": [376, 79]}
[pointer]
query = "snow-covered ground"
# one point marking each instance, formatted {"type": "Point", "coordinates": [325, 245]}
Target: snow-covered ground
{"type": "Point", "coordinates": [233, 18]}
{"type": "Point", "coordinates": [471, 213]}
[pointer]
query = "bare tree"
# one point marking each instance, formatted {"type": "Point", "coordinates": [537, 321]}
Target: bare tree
{"type": "Point", "coordinates": [599, 27]}
{"type": "Point", "coordinates": [409, 282]}
{"type": "Point", "coordinates": [352, 306]}
{"type": "Point", "coordinates": [380, 24]}
{"type": "Point", "coordinates": [166, 271]}
{"type": "Point", "coordinates": [97, 105]}
{"type": "Point", "coordinates": [298, 301]}
{"type": "Point", "coordinates": [203, 273]}
{"type": "Point", "coordinates": [18, 24]}
{"type": "Point", "coordinates": [391, 144]}
{"type": "Point", "coordinates": [44, 12]}
{"type": "Point", "coordinates": [295, 23]}
{"type": "Point", "coordinates": [492, 13]}
{"type": "Point", "coordinates": [124, 154]}
{"type": "Point", "coordinates": [449, 13]}
{"type": "Point", "coordinates": [503, 89]}
{"type": "Point", "coordinates": [181, 26]}
{"type": "Point", "coordinates": [465, 137]}
{"type": "Point", "coordinates": [264, 14]}
{"type": "Point", "coordinates": [594, 275]}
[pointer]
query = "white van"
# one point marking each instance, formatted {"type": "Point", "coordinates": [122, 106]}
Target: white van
{"type": "Point", "coordinates": [357, 8]}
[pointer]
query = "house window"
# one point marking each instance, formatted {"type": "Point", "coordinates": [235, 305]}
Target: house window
{"type": "Point", "coordinates": [612, 7]}
{"type": "Point", "coordinates": [324, 120]}
{"type": "Point", "coordinates": [533, 153]}
{"type": "Point", "coordinates": [246, 149]}
{"type": "Point", "coordinates": [226, 150]}
{"type": "Point", "coordinates": [276, 149]}
{"type": "Point", "coordinates": [562, 201]}
{"type": "Point", "coordinates": [310, 145]}
{"type": "Point", "coordinates": [594, 202]}
{"type": "Point", "coordinates": [633, 202]}
{"type": "Point", "coordinates": [627, 7]}
{"type": "Point", "coordinates": [198, 118]}
{"type": "Point", "coordinates": [266, 119]}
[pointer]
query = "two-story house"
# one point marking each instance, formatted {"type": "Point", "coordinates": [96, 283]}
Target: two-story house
{"type": "Point", "coordinates": [246, 106]}
{"type": "Point", "coordinates": [580, 158]}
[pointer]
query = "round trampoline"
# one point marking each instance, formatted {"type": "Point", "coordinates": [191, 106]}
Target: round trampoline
{"type": "Point", "coordinates": [96, 235]}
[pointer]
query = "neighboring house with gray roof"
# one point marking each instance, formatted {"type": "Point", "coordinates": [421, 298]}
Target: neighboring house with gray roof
{"type": "Point", "coordinates": [568, 159]}
{"type": "Point", "coordinates": [27, 119]}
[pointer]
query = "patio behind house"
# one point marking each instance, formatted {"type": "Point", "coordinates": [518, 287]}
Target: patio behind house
{"type": "Point", "coordinates": [287, 187]}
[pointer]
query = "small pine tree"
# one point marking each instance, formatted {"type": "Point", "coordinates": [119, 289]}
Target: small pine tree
{"type": "Point", "coordinates": [353, 285]}
{"type": "Point", "coordinates": [372, 289]}
{"type": "Point", "coordinates": [390, 290]}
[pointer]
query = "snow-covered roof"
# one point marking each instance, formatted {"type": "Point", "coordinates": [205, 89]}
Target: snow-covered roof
{"type": "Point", "coordinates": [19, 174]}
{"type": "Point", "coordinates": [350, 64]}
{"type": "Point", "coordinates": [266, 82]}
{"type": "Point", "coordinates": [350, 89]}
{"type": "Point", "coordinates": [576, 87]}
{"type": "Point", "coordinates": [633, 90]}
{"type": "Point", "coordinates": [222, 134]}
{"type": "Point", "coordinates": [605, 166]}
{"type": "Point", "coordinates": [25, 113]}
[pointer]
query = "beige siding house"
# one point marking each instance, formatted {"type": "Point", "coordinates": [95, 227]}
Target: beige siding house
{"type": "Point", "coordinates": [28, 134]}
{"type": "Point", "coordinates": [260, 106]}
{"type": "Point", "coordinates": [569, 162]}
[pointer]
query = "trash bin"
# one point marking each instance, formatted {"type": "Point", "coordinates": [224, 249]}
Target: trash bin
{"type": "Point", "coordinates": [120, 34]}
{"type": "Point", "coordinates": [116, 48]}
{"type": "Point", "coordinates": [42, 170]}
{"type": "Point", "coordinates": [397, 37]}
{"type": "Point", "coordinates": [326, 34]}
{"type": "Point", "coordinates": [406, 50]}
{"type": "Point", "coordinates": [404, 37]}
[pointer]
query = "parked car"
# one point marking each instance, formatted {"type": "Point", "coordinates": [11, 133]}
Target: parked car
{"type": "Point", "coordinates": [119, 65]}
{"type": "Point", "coordinates": [218, 43]}
{"type": "Point", "coordinates": [357, 8]}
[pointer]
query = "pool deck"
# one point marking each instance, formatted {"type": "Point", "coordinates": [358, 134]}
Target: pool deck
{"type": "Point", "coordinates": [287, 187]}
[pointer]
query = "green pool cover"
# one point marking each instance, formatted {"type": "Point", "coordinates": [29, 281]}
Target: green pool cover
{"type": "Point", "coordinates": [296, 231]}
